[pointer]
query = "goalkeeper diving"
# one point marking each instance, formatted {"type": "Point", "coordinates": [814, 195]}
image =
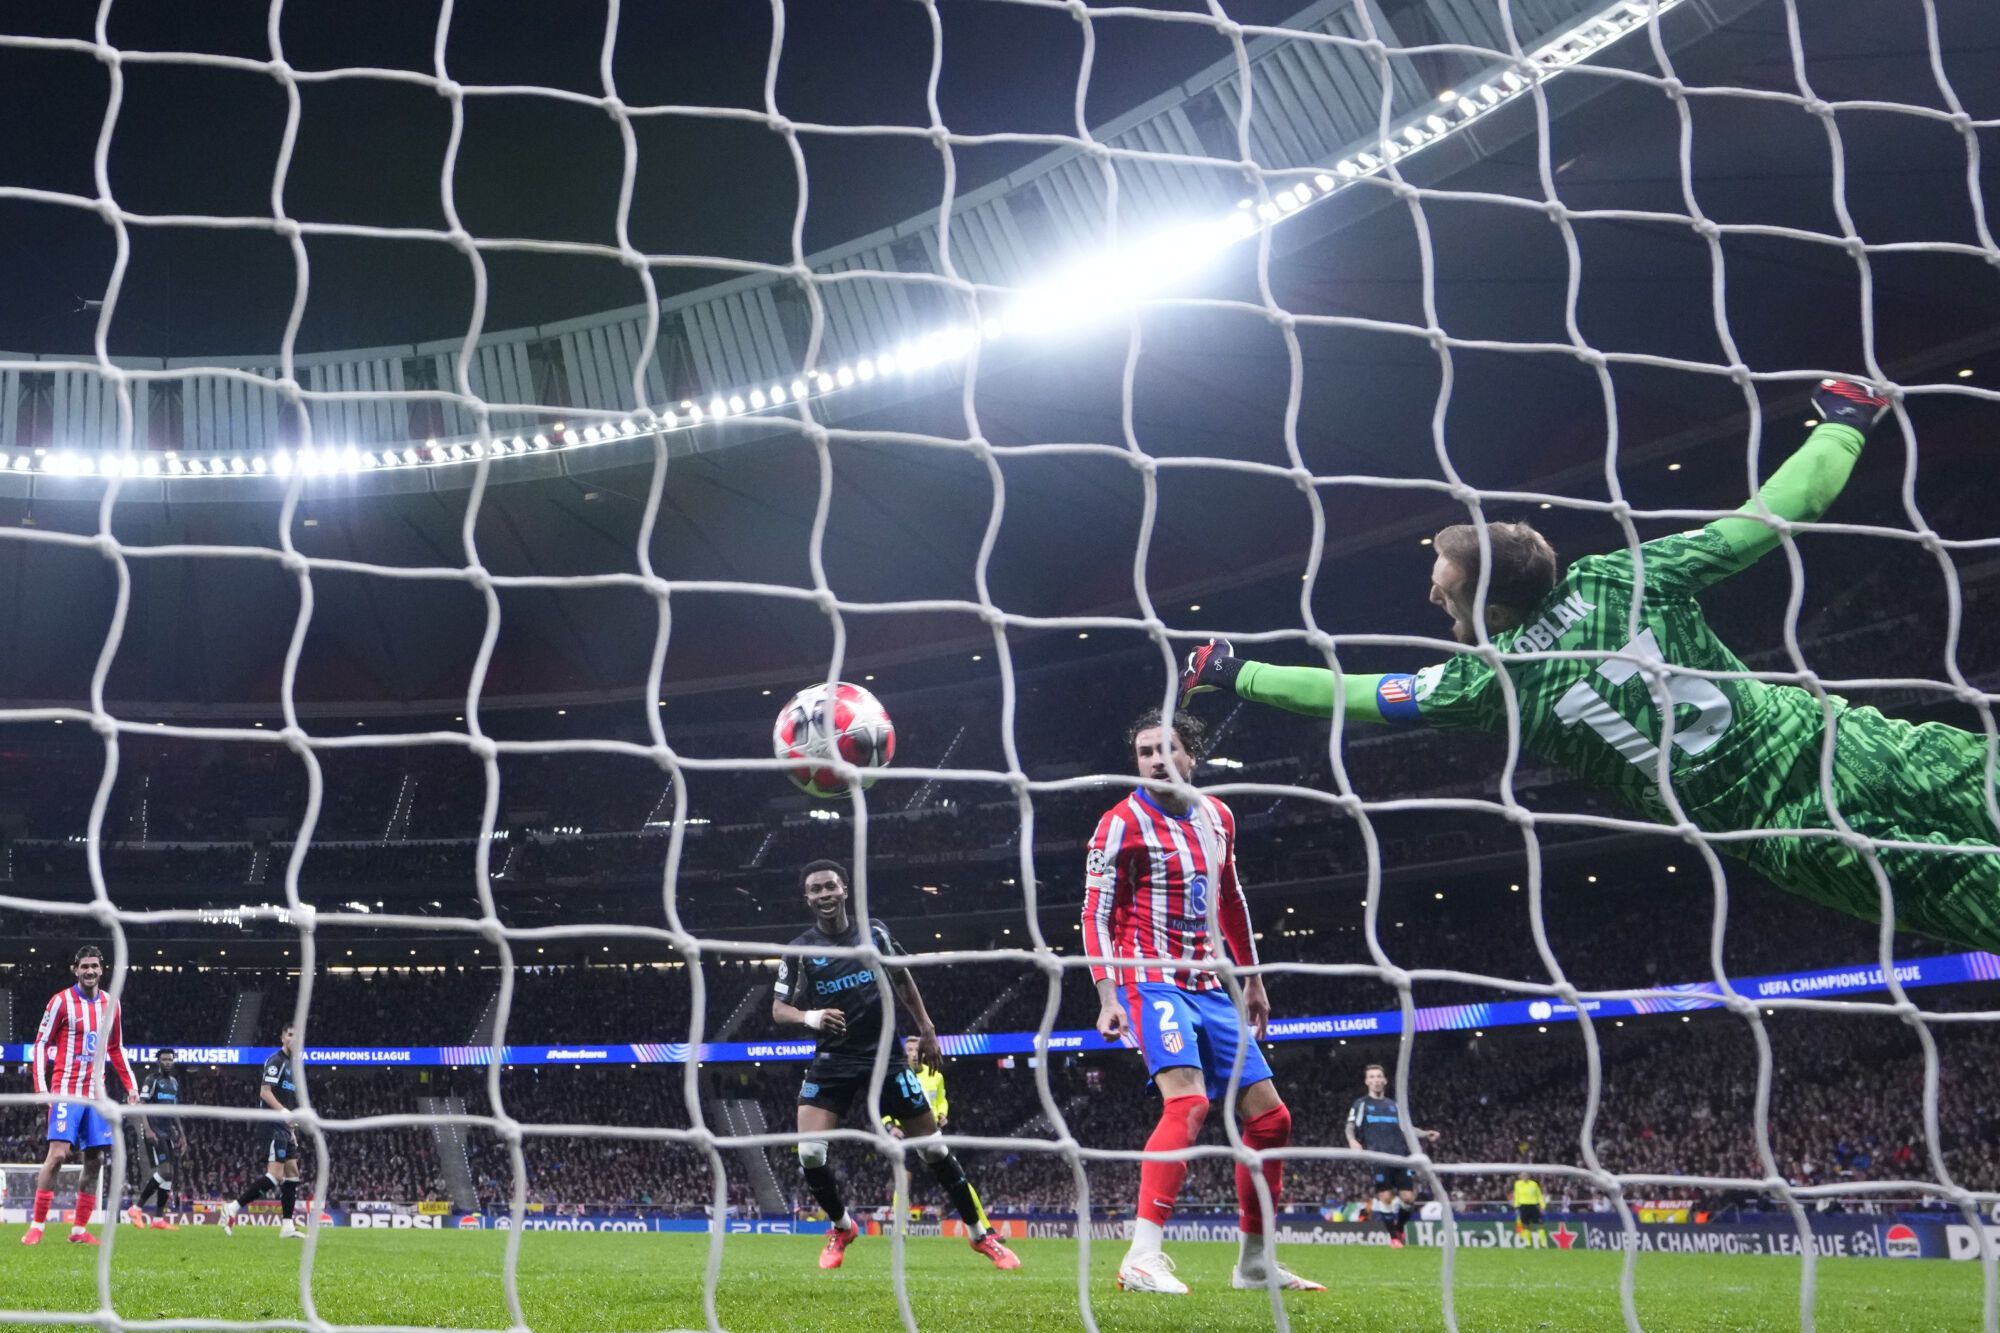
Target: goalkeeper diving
{"type": "Point", "coordinates": [1745, 754]}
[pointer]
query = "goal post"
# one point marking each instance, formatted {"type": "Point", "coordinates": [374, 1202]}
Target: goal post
{"type": "Point", "coordinates": [969, 335]}
{"type": "Point", "coordinates": [17, 1187]}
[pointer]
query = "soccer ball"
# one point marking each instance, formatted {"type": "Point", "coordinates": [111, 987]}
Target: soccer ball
{"type": "Point", "coordinates": [824, 723]}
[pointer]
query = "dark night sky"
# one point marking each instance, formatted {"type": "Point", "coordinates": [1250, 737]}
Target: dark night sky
{"type": "Point", "coordinates": [198, 140]}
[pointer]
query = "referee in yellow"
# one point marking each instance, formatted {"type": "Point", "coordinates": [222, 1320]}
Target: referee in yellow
{"type": "Point", "coordinates": [1528, 1210]}
{"type": "Point", "coordinates": [932, 1082]}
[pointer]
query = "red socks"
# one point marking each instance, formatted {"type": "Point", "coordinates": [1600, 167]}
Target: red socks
{"type": "Point", "coordinates": [1180, 1125]}
{"type": "Point", "coordinates": [85, 1205]}
{"type": "Point", "coordinates": [1273, 1129]}
{"type": "Point", "coordinates": [44, 1200]}
{"type": "Point", "coordinates": [1160, 1181]}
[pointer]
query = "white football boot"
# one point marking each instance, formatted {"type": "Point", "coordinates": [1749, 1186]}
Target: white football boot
{"type": "Point", "coordinates": [1150, 1272]}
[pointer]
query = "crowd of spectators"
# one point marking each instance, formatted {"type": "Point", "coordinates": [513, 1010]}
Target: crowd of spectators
{"type": "Point", "coordinates": [400, 819]}
{"type": "Point", "coordinates": [1676, 1099]}
{"type": "Point", "coordinates": [1628, 931]}
{"type": "Point", "coordinates": [1620, 926]}
{"type": "Point", "coordinates": [585, 838]}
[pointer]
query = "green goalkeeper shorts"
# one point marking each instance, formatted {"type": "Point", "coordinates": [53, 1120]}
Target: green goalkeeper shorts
{"type": "Point", "coordinates": [1908, 783]}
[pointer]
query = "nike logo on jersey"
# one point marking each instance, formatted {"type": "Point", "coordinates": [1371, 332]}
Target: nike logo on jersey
{"type": "Point", "coordinates": [1547, 632]}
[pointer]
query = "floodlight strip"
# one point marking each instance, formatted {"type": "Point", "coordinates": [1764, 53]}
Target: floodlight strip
{"type": "Point", "coordinates": [1090, 289]}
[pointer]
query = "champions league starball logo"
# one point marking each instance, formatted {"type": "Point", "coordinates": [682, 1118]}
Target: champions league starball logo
{"type": "Point", "coordinates": [1541, 1011]}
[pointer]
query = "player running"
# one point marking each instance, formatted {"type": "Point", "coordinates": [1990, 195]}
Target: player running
{"type": "Point", "coordinates": [1372, 1126]}
{"type": "Point", "coordinates": [848, 1021]}
{"type": "Point", "coordinates": [278, 1092]}
{"type": "Point", "coordinates": [1745, 754]}
{"type": "Point", "coordinates": [162, 1141]}
{"type": "Point", "coordinates": [1153, 862]}
{"type": "Point", "coordinates": [75, 1025]}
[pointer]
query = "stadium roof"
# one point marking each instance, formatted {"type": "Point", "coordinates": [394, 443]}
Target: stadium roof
{"type": "Point", "coordinates": [907, 516]}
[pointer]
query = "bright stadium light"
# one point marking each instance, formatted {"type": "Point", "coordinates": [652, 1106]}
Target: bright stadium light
{"type": "Point", "coordinates": [1087, 292]}
{"type": "Point", "coordinates": [1105, 285]}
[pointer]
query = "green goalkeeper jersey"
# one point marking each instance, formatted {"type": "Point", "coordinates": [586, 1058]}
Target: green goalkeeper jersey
{"type": "Point", "coordinates": [1602, 715]}
{"type": "Point", "coordinates": [1594, 686]}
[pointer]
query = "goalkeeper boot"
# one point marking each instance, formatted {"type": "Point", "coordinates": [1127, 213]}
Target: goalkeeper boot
{"type": "Point", "coordinates": [837, 1241]}
{"type": "Point", "coordinates": [1150, 1272]}
{"type": "Point", "coordinates": [1213, 666]}
{"type": "Point", "coordinates": [1845, 403]}
{"type": "Point", "coordinates": [1002, 1257]}
{"type": "Point", "coordinates": [1253, 1280]}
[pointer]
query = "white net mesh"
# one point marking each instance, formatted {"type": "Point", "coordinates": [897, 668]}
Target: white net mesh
{"type": "Point", "coordinates": [1340, 105]}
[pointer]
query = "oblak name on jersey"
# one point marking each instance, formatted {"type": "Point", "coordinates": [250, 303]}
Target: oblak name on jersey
{"type": "Point", "coordinates": [1148, 880]}
{"type": "Point", "coordinates": [1547, 632]}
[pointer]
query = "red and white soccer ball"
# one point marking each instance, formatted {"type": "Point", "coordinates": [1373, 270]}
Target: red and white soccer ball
{"type": "Point", "coordinates": [823, 723]}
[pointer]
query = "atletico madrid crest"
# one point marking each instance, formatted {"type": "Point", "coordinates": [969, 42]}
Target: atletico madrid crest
{"type": "Point", "coordinates": [1172, 1042]}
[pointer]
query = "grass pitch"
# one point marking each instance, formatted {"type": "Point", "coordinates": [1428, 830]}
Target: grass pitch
{"type": "Point", "coordinates": [602, 1283]}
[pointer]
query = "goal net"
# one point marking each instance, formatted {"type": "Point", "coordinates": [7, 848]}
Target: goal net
{"type": "Point", "coordinates": [408, 678]}
{"type": "Point", "coordinates": [17, 1187]}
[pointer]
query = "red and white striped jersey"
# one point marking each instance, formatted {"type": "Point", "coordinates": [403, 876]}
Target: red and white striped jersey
{"type": "Point", "coordinates": [1146, 885]}
{"type": "Point", "coordinates": [72, 1028]}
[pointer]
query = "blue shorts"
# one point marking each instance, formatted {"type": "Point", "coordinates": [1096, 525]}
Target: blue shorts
{"type": "Point", "coordinates": [1182, 1029]}
{"type": "Point", "coordinates": [79, 1123]}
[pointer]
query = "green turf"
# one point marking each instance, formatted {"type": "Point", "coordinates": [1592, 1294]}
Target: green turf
{"type": "Point", "coordinates": [650, 1282]}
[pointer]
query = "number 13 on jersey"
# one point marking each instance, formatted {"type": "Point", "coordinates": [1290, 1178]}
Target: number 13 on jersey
{"type": "Point", "coordinates": [1584, 704]}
